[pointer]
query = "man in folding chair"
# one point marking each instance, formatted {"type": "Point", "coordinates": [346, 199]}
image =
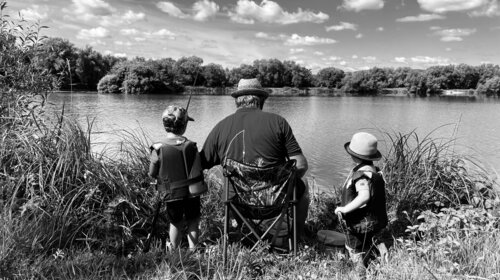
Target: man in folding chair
{"type": "Point", "coordinates": [257, 138]}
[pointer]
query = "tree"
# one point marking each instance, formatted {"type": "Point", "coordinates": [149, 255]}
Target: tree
{"type": "Point", "coordinates": [490, 87]}
{"type": "Point", "coordinates": [90, 68]}
{"type": "Point", "coordinates": [329, 77]}
{"type": "Point", "coordinates": [245, 71]}
{"type": "Point", "coordinates": [188, 69]}
{"type": "Point", "coordinates": [59, 57]}
{"type": "Point", "coordinates": [214, 75]}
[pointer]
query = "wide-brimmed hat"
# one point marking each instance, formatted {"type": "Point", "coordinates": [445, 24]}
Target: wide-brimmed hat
{"type": "Point", "coordinates": [175, 114]}
{"type": "Point", "coordinates": [363, 145]}
{"type": "Point", "coordinates": [250, 87]}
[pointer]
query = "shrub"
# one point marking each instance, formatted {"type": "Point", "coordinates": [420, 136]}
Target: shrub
{"type": "Point", "coordinates": [110, 83]}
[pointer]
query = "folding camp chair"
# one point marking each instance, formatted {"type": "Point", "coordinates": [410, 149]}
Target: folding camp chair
{"type": "Point", "coordinates": [261, 197]}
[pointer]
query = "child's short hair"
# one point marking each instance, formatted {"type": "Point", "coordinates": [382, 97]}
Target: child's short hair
{"type": "Point", "coordinates": [175, 119]}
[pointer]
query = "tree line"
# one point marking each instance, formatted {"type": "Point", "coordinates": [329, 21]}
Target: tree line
{"type": "Point", "coordinates": [87, 69]}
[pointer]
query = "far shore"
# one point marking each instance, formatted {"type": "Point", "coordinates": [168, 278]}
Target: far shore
{"type": "Point", "coordinates": [313, 91]}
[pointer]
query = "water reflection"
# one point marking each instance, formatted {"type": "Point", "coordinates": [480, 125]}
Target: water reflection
{"type": "Point", "coordinates": [321, 124]}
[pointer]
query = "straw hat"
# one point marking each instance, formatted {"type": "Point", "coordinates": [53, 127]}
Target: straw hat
{"type": "Point", "coordinates": [363, 146]}
{"type": "Point", "coordinates": [250, 87]}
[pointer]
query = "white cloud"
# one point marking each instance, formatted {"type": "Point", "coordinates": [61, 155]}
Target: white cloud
{"type": "Point", "coordinates": [121, 43]}
{"type": "Point", "coordinates": [430, 60]}
{"type": "Point", "coordinates": [248, 12]}
{"type": "Point", "coordinates": [119, 54]}
{"type": "Point", "coordinates": [342, 26]}
{"type": "Point", "coordinates": [170, 9]}
{"type": "Point", "coordinates": [97, 42]}
{"type": "Point", "coordinates": [294, 51]}
{"type": "Point", "coordinates": [334, 58]}
{"type": "Point", "coordinates": [476, 7]}
{"type": "Point", "coordinates": [98, 32]}
{"type": "Point", "coordinates": [369, 59]}
{"type": "Point", "coordinates": [354, 56]}
{"type": "Point", "coordinates": [140, 39]}
{"type": "Point", "coordinates": [380, 28]}
{"type": "Point", "coordinates": [400, 59]}
{"type": "Point", "coordinates": [455, 34]}
{"type": "Point", "coordinates": [296, 40]}
{"type": "Point", "coordinates": [421, 17]}
{"type": "Point", "coordinates": [204, 10]}
{"type": "Point", "coordinates": [318, 53]}
{"type": "Point", "coordinates": [89, 9]}
{"type": "Point", "coordinates": [130, 31]}
{"type": "Point", "coordinates": [359, 5]}
{"type": "Point", "coordinates": [35, 12]}
{"type": "Point", "coordinates": [359, 36]}
{"type": "Point", "coordinates": [448, 49]}
{"type": "Point", "coordinates": [163, 33]}
{"type": "Point", "coordinates": [130, 16]}
{"type": "Point", "coordinates": [343, 63]}
{"type": "Point", "coordinates": [434, 28]}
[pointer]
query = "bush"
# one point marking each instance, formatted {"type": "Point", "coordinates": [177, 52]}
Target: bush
{"type": "Point", "coordinates": [109, 84]}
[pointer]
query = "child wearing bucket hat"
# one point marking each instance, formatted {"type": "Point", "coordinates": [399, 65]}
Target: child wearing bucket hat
{"type": "Point", "coordinates": [176, 164]}
{"type": "Point", "coordinates": [363, 198]}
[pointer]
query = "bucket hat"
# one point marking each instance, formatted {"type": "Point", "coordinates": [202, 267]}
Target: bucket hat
{"type": "Point", "coordinates": [175, 115]}
{"type": "Point", "coordinates": [363, 145]}
{"type": "Point", "coordinates": [250, 87]}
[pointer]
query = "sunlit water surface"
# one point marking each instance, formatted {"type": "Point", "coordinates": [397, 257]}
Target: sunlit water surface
{"type": "Point", "coordinates": [321, 124]}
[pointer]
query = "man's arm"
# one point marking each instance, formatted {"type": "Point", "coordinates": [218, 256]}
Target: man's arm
{"type": "Point", "coordinates": [301, 164]}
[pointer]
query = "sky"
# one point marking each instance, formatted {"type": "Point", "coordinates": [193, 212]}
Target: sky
{"type": "Point", "coordinates": [347, 34]}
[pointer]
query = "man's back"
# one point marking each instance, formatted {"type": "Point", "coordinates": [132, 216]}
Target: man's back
{"type": "Point", "coordinates": [250, 136]}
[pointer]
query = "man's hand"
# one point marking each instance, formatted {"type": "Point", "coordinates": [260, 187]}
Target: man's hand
{"type": "Point", "coordinates": [301, 164]}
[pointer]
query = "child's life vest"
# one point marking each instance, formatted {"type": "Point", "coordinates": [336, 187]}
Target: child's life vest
{"type": "Point", "coordinates": [374, 212]}
{"type": "Point", "coordinates": [180, 174]}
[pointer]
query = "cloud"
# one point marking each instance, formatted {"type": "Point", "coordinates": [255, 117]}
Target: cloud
{"type": "Point", "coordinates": [35, 12]}
{"type": "Point", "coordinates": [318, 53]}
{"type": "Point", "coordinates": [342, 26]}
{"type": "Point", "coordinates": [334, 58]}
{"type": "Point", "coordinates": [162, 33]}
{"type": "Point", "coordinates": [108, 52]}
{"type": "Point", "coordinates": [140, 39]}
{"type": "Point", "coordinates": [369, 59]}
{"type": "Point", "coordinates": [204, 10]}
{"type": "Point", "coordinates": [248, 12]}
{"type": "Point", "coordinates": [170, 9]}
{"type": "Point", "coordinates": [359, 5]}
{"type": "Point", "coordinates": [98, 32]}
{"type": "Point", "coordinates": [296, 40]}
{"type": "Point", "coordinates": [121, 43]}
{"type": "Point", "coordinates": [359, 36]}
{"type": "Point", "coordinates": [89, 9]}
{"type": "Point", "coordinates": [131, 31]}
{"type": "Point", "coordinates": [430, 60]}
{"type": "Point", "coordinates": [354, 56]}
{"type": "Point", "coordinates": [343, 63]}
{"type": "Point", "coordinates": [475, 7]}
{"type": "Point", "coordinates": [400, 59]}
{"type": "Point", "coordinates": [421, 17]}
{"type": "Point", "coordinates": [455, 34]}
{"type": "Point", "coordinates": [294, 51]}
{"type": "Point", "coordinates": [130, 16]}
{"type": "Point", "coordinates": [380, 29]}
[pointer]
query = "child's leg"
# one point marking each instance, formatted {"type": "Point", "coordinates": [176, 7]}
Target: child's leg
{"type": "Point", "coordinates": [175, 234]}
{"type": "Point", "coordinates": [193, 232]}
{"type": "Point", "coordinates": [192, 212]}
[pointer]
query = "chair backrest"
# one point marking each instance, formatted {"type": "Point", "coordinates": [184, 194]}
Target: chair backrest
{"type": "Point", "coordinates": [260, 186]}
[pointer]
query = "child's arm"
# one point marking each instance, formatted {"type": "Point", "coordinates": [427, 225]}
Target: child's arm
{"type": "Point", "coordinates": [361, 199]}
{"type": "Point", "coordinates": [154, 165]}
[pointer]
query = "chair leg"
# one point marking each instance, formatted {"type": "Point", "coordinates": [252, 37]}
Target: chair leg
{"type": "Point", "coordinates": [226, 226]}
{"type": "Point", "coordinates": [294, 209]}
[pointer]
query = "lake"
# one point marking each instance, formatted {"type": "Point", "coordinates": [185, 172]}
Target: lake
{"type": "Point", "coordinates": [321, 124]}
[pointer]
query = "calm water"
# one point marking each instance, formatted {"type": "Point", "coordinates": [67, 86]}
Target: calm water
{"type": "Point", "coordinates": [321, 124]}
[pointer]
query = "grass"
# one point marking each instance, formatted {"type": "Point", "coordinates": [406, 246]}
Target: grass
{"type": "Point", "coordinates": [68, 213]}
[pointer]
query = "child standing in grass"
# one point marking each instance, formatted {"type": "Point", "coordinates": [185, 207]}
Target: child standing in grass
{"type": "Point", "coordinates": [176, 164]}
{"type": "Point", "coordinates": [363, 198]}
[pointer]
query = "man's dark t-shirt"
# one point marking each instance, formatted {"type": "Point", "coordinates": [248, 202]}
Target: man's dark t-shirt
{"type": "Point", "coordinates": [250, 136]}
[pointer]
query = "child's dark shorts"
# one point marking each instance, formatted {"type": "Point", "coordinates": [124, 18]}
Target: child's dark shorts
{"type": "Point", "coordinates": [188, 209]}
